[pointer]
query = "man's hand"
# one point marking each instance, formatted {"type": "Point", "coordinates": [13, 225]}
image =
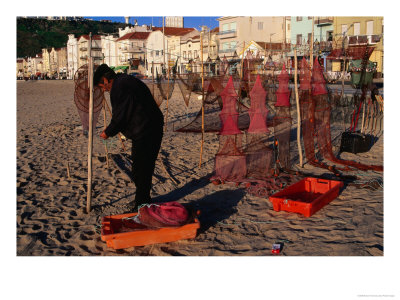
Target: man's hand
{"type": "Point", "coordinates": [103, 135]}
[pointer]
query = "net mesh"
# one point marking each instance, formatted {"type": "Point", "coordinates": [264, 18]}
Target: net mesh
{"type": "Point", "coordinates": [82, 97]}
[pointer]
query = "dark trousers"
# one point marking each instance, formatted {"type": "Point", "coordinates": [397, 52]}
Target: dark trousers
{"type": "Point", "coordinates": [144, 155]}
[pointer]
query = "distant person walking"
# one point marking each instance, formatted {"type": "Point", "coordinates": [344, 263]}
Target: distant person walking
{"type": "Point", "coordinates": [136, 115]}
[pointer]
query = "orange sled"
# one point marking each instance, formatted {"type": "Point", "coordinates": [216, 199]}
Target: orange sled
{"type": "Point", "coordinates": [117, 235]}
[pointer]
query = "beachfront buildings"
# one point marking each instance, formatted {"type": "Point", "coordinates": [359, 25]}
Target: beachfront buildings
{"type": "Point", "coordinates": [170, 40]}
{"type": "Point", "coordinates": [359, 31]}
{"type": "Point", "coordinates": [147, 50]}
{"type": "Point", "coordinates": [236, 32]}
{"type": "Point", "coordinates": [72, 56]}
{"type": "Point", "coordinates": [83, 50]}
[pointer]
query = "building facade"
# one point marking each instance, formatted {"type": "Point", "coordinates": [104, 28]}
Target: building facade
{"type": "Point", "coordinates": [83, 50]}
{"type": "Point", "coordinates": [360, 31]}
{"type": "Point", "coordinates": [62, 62]}
{"type": "Point", "coordinates": [236, 32]}
{"type": "Point", "coordinates": [72, 55]}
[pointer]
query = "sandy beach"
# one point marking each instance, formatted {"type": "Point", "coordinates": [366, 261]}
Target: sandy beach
{"type": "Point", "coordinates": [51, 218]}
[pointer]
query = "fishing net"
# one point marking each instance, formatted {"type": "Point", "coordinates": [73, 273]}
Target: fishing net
{"type": "Point", "coordinates": [82, 97]}
{"type": "Point", "coordinates": [322, 122]}
{"type": "Point", "coordinates": [165, 86]}
{"type": "Point", "coordinates": [230, 161]}
{"type": "Point", "coordinates": [258, 154]}
{"type": "Point", "coordinates": [213, 87]}
{"type": "Point", "coordinates": [186, 83]}
{"type": "Point", "coordinates": [282, 120]}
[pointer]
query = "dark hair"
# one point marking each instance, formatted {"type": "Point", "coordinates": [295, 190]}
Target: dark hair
{"type": "Point", "coordinates": [103, 71]}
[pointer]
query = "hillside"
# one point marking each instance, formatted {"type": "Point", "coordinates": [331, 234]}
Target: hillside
{"type": "Point", "coordinates": [35, 34]}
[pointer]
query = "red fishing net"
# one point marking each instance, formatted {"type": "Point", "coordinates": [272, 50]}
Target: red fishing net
{"type": "Point", "coordinates": [82, 97]}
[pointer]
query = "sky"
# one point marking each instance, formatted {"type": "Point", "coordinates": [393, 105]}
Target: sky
{"type": "Point", "coordinates": [188, 22]}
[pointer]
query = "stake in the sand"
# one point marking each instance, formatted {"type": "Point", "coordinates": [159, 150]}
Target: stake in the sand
{"type": "Point", "coordinates": [90, 144]}
{"type": "Point", "coordinates": [105, 126]}
{"type": "Point", "coordinates": [298, 110]}
{"type": "Point", "coordinates": [202, 99]}
{"type": "Point", "coordinates": [166, 114]}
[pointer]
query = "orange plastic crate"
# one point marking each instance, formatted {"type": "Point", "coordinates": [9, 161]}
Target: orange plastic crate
{"type": "Point", "coordinates": [117, 237]}
{"type": "Point", "coordinates": [306, 196]}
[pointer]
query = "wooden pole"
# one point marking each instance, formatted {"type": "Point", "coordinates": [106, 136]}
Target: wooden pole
{"type": "Point", "coordinates": [241, 63]}
{"type": "Point", "coordinates": [312, 45]}
{"type": "Point", "coordinates": [90, 144]}
{"type": "Point", "coordinates": [298, 110]}
{"type": "Point", "coordinates": [166, 114]}
{"type": "Point", "coordinates": [202, 99]}
{"type": "Point", "coordinates": [105, 126]}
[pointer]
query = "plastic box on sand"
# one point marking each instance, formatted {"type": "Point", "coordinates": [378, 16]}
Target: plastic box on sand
{"type": "Point", "coordinates": [306, 196]}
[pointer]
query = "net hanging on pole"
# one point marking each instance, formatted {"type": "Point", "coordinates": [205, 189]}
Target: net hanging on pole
{"type": "Point", "coordinates": [82, 95]}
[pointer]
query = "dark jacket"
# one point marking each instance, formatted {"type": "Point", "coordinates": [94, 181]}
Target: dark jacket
{"type": "Point", "coordinates": [134, 110]}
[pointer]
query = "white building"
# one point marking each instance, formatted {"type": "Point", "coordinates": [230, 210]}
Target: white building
{"type": "Point", "coordinates": [109, 50]}
{"type": "Point", "coordinates": [72, 55]}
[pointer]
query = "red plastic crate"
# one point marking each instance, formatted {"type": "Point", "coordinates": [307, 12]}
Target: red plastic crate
{"type": "Point", "coordinates": [118, 237]}
{"type": "Point", "coordinates": [306, 196]}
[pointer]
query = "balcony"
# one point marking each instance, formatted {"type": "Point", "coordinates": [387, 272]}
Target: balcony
{"type": "Point", "coordinates": [364, 39]}
{"type": "Point", "coordinates": [324, 21]}
{"type": "Point", "coordinates": [226, 50]}
{"type": "Point", "coordinates": [227, 34]}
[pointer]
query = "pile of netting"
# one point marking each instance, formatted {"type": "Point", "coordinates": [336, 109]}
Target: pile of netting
{"type": "Point", "coordinates": [82, 97]}
{"type": "Point", "coordinates": [316, 107]}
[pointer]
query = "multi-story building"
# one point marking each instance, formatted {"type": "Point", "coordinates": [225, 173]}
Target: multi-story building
{"type": "Point", "coordinates": [62, 62]}
{"type": "Point", "coordinates": [170, 42]}
{"type": "Point", "coordinates": [53, 63]}
{"type": "Point", "coordinates": [236, 32]}
{"type": "Point", "coordinates": [46, 61]}
{"type": "Point", "coordinates": [132, 51]}
{"type": "Point", "coordinates": [174, 22]}
{"type": "Point", "coordinates": [109, 49]}
{"type": "Point", "coordinates": [359, 31]}
{"type": "Point", "coordinates": [302, 30]}
{"type": "Point", "coordinates": [20, 68]}
{"type": "Point", "coordinates": [83, 48]}
{"type": "Point", "coordinates": [35, 65]}
{"type": "Point", "coordinates": [72, 55]}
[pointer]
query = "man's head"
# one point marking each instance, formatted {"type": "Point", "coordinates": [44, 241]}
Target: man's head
{"type": "Point", "coordinates": [104, 77]}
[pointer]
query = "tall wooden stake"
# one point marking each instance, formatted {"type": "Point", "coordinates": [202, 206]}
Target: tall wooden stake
{"type": "Point", "coordinates": [105, 126]}
{"type": "Point", "coordinates": [166, 114]}
{"type": "Point", "coordinates": [202, 99]}
{"type": "Point", "coordinates": [298, 110]}
{"type": "Point", "coordinates": [90, 144]}
{"type": "Point", "coordinates": [312, 45]}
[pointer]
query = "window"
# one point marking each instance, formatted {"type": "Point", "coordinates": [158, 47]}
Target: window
{"type": "Point", "coordinates": [344, 29]}
{"type": "Point", "coordinates": [225, 46]}
{"type": "Point", "coordinates": [329, 35]}
{"type": "Point", "coordinates": [309, 38]}
{"type": "Point", "coordinates": [157, 52]}
{"type": "Point", "coordinates": [260, 25]}
{"type": "Point", "coordinates": [190, 55]}
{"type": "Point", "coordinates": [356, 28]}
{"type": "Point", "coordinates": [184, 54]}
{"type": "Point", "coordinates": [233, 45]}
{"type": "Point", "coordinates": [195, 53]}
{"type": "Point", "coordinates": [225, 27]}
{"type": "Point", "coordinates": [310, 18]}
{"type": "Point", "coordinates": [370, 27]}
{"type": "Point", "coordinates": [299, 39]}
{"type": "Point", "coordinates": [298, 19]}
{"type": "Point", "coordinates": [233, 26]}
